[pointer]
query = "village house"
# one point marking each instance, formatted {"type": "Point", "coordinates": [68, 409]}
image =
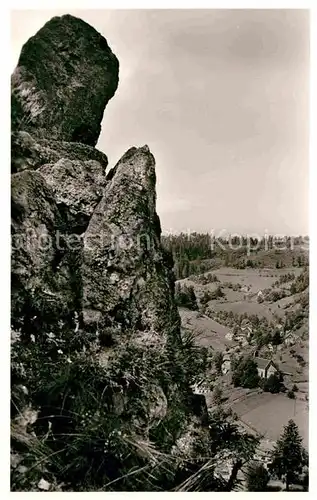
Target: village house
{"type": "Point", "coordinates": [291, 339]}
{"type": "Point", "coordinates": [266, 367]}
{"type": "Point", "coordinates": [248, 330]}
{"type": "Point", "coordinates": [242, 340]}
{"type": "Point", "coordinates": [200, 387]}
{"type": "Point", "coordinates": [229, 336]}
{"type": "Point", "coordinates": [226, 364]}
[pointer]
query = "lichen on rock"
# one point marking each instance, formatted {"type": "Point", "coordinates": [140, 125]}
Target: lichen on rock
{"type": "Point", "coordinates": [30, 153]}
{"type": "Point", "coordinates": [65, 76]}
{"type": "Point", "coordinates": [77, 187]}
{"type": "Point", "coordinates": [126, 279]}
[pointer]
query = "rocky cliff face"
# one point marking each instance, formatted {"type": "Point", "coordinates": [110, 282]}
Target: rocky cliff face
{"type": "Point", "coordinates": [58, 176]}
{"type": "Point", "coordinates": [86, 251]}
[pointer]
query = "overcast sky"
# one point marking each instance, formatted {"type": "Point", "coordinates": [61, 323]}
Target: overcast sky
{"type": "Point", "coordinates": [221, 98]}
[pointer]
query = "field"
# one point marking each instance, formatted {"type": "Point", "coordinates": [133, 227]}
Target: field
{"type": "Point", "coordinates": [268, 413]}
{"type": "Point", "coordinates": [264, 413]}
{"type": "Point", "coordinates": [208, 332]}
{"type": "Point", "coordinates": [251, 281]}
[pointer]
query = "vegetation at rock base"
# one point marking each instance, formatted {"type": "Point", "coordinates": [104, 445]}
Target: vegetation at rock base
{"type": "Point", "coordinates": [104, 428]}
{"type": "Point", "coordinates": [92, 421]}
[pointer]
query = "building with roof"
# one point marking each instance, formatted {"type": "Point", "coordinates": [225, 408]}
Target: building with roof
{"type": "Point", "coordinates": [226, 364]}
{"type": "Point", "coordinates": [291, 339]}
{"type": "Point", "coordinates": [200, 387]}
{"type": "Point", "coordinates": [266, 367]}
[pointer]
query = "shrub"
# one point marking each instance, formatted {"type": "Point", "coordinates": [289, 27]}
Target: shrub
{"type": "Point", "coordinates": [272, 384]}
{"type": "Point", "coordinates": [257, 477]}
{"type": "Point", "coordinates": [185, 297]}
{"type": "Point", "coordinates": [205, 298]}
{"type": "Point", "coordinates": [217, 294]}
{"type": "Point", "coordinates": [245, 374]}
{"type": "Point", "coordinates": [291, 395]}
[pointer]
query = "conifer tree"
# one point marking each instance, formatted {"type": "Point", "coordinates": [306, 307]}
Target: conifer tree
{"type": "Point", "coordinates": [289, 457]}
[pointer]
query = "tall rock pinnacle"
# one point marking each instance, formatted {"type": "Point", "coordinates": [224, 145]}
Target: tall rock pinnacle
{"type": "Point", "coordinates": [126, 276]}
{"type": "Point", "coordinates": [65, 76]}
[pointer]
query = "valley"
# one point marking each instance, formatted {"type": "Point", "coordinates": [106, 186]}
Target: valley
{"type": "Point", "coordinates": [261, 314]}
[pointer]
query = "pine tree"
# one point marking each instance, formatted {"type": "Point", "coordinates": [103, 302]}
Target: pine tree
{"type": "Point", "coordinates": [289, 457]}
{"type": "Point", "coordinates": [218, 360]}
